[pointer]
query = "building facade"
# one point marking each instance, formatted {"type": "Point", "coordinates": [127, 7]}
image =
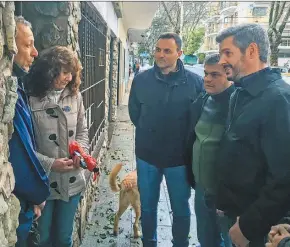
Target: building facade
{"type": "Point", "coordinates": [227, 14]}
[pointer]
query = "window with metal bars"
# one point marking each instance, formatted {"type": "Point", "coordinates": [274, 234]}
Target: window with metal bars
{"type": "Point", "coordinates": [92, 40]}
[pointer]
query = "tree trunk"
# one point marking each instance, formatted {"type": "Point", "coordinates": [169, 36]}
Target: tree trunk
{"type": "Point", "coordinates": [274, 55]}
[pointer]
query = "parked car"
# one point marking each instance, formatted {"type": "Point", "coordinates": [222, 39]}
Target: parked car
{"type": "Point", "coordinates": [282, 69]}
{"type": "Point", "coordinates": [286, 77]}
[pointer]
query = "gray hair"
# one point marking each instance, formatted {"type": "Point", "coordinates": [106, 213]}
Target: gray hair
{"type": "Point", "coordinates": [20, 20]}
{"type": "Point", "coordinates": [212, 59]}
{"type": "Point", "coordinates": [244, 35]}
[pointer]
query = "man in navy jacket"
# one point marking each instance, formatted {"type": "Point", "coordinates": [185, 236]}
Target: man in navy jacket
{"type": "Point", "coordinates": [159, 106]}
{"type": "Point", "coordinates": [31, 182]}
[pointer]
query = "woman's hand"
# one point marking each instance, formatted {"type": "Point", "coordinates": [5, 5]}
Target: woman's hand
{"type": "Point", "coordinates": [62, 165]}
{"type": "Point", "coordinates": [76, 161]}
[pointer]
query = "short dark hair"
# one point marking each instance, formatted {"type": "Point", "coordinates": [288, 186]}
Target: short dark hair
{"type": "Point", "coordinates": [212, 59]}
{"type": "Point", "coordinates": [47, 68]}
{"type": "Point", "coordinates": [244, 35]}
{"type": "Point", "coordinates": [174, 36]}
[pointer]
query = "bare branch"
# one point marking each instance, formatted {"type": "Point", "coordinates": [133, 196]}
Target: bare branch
{"type": "Point", "coordinates": [282, 10]}
{"type": "Point", "coordinates": [168, 14]}
{"type": "Point", "coordinates": [284, 22]}
{"type": "Point", "coordinates": [277, 6]}
{"type": "Point", "coordinates": [271, 13]}
{"type": "Point", "coordinates": [276, 14]}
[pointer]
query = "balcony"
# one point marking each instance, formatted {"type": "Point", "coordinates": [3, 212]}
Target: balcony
{"type": "Point", "coordinates": [228, 11]}
{"type": "Point", "coordinates": [213, 19]}
{"type": "Point", "coordinates": [285, 44]}
{"type": "Point", "coordinates": [136, 17]}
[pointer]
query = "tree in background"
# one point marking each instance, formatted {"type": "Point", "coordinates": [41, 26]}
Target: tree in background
{"type": "Point", "coordinates": [278, 18]}
{"type": "Point", "coordinates": [194, 40]}
{"type": "Point", "coordinates": [184, 15]}
{"type": "Point", "coordinates": [180, 17]}
{"type": "Point", "coordinates": [201, 57]}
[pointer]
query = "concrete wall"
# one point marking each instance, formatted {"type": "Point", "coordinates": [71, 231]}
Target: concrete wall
{"type": "Point", "coordinates": [9, 205]}
{"type": "Point", "coordinates": [107, 11]}
{"type": "Point", "coordinates": [117, 26]}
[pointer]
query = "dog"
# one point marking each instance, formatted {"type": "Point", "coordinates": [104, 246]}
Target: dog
{"type": "Point", "coordinates": [129, 195]}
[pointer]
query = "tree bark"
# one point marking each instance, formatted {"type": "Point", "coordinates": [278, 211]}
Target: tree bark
{"type": "Point", "coordinates": [277, 11]}
{"type": "Point", "coordinates": [274, 55]}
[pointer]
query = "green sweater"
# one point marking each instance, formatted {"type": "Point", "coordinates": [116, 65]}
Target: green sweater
{"type": "Point", "coordinates": [209, 130]}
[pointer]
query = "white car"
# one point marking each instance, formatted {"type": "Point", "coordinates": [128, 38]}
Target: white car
{"type": "Point", "coordinates": [286, 77]}
{"type": "Point", "coordinates": [145, 67]}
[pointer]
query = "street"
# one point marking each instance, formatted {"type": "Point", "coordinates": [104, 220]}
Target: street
{"type": "Point", "coordinates": [197, 69]}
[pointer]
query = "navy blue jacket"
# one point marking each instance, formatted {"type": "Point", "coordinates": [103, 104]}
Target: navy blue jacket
{"type": "Point", "coordinates": [159, 108]}
{"type": "Point", "coordinates": [254, 159]}
{"type": "Point", "coordinates": [31, 182]}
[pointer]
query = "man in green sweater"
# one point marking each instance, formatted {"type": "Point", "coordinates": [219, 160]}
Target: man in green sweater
{"type": "Point", "coordinates": [208, 120]}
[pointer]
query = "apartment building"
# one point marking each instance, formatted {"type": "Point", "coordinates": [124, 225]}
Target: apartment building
{"type": "Point", "coordinates": [226, 14]}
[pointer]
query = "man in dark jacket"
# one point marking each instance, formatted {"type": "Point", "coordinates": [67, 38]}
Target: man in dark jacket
{"type": "Point", "coordinates": [159, 106]}
{"type": "Point", "coordinates": [254, 157]}
{"type": "Point", "coordinates": [31, 182]}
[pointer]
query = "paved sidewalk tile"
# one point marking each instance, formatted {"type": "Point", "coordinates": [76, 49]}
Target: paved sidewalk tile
{"type": "Point", "coordinates": [101, 216]}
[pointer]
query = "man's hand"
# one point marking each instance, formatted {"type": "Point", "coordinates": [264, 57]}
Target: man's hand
{"type": "Point", "coordinates": [42, 205]}
{"type": "Point", "coordinates": [277, 233]}
{"type": "Point", "coordinates": [62, 165]}
{"type": "Point", "coordinates": [38, 209]}
{"type": "Point", "coordinates": [237, 236]}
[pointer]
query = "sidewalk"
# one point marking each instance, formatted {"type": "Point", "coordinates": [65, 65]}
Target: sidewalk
{"type": "Point", "coordinates": [101, 216]}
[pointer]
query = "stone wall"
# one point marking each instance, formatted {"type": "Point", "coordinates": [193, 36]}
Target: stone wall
{"type": "Point", "coordinates": [114, 80]}
{"type": "Point", "coordinates": [9, 205]}
{"type": "Point", "coordinates": [54, 23]}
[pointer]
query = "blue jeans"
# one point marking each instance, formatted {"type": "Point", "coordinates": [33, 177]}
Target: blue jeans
{"type": "Point", "coordinates": [212, 230]}
{"type": "Point", "coordinates": [56, 222]}
{"type": "Point", "coordinates": [149, 180]}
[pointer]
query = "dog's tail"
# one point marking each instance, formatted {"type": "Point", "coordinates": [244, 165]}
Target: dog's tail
{"type": "Point", "coordinates": [113, 178]}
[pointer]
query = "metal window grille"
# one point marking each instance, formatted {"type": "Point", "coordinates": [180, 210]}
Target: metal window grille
{"type": "Point", "coordinates": [92, 39]}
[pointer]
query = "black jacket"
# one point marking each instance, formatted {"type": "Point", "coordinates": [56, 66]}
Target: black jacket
{"type": "Point", "coordinates": [159, 108]}
{"type": "Point", "coordinates": [254, 159]}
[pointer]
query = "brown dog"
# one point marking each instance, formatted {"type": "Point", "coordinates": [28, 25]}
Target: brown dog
{"type": "Point", "coordinates": [129, 195]}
